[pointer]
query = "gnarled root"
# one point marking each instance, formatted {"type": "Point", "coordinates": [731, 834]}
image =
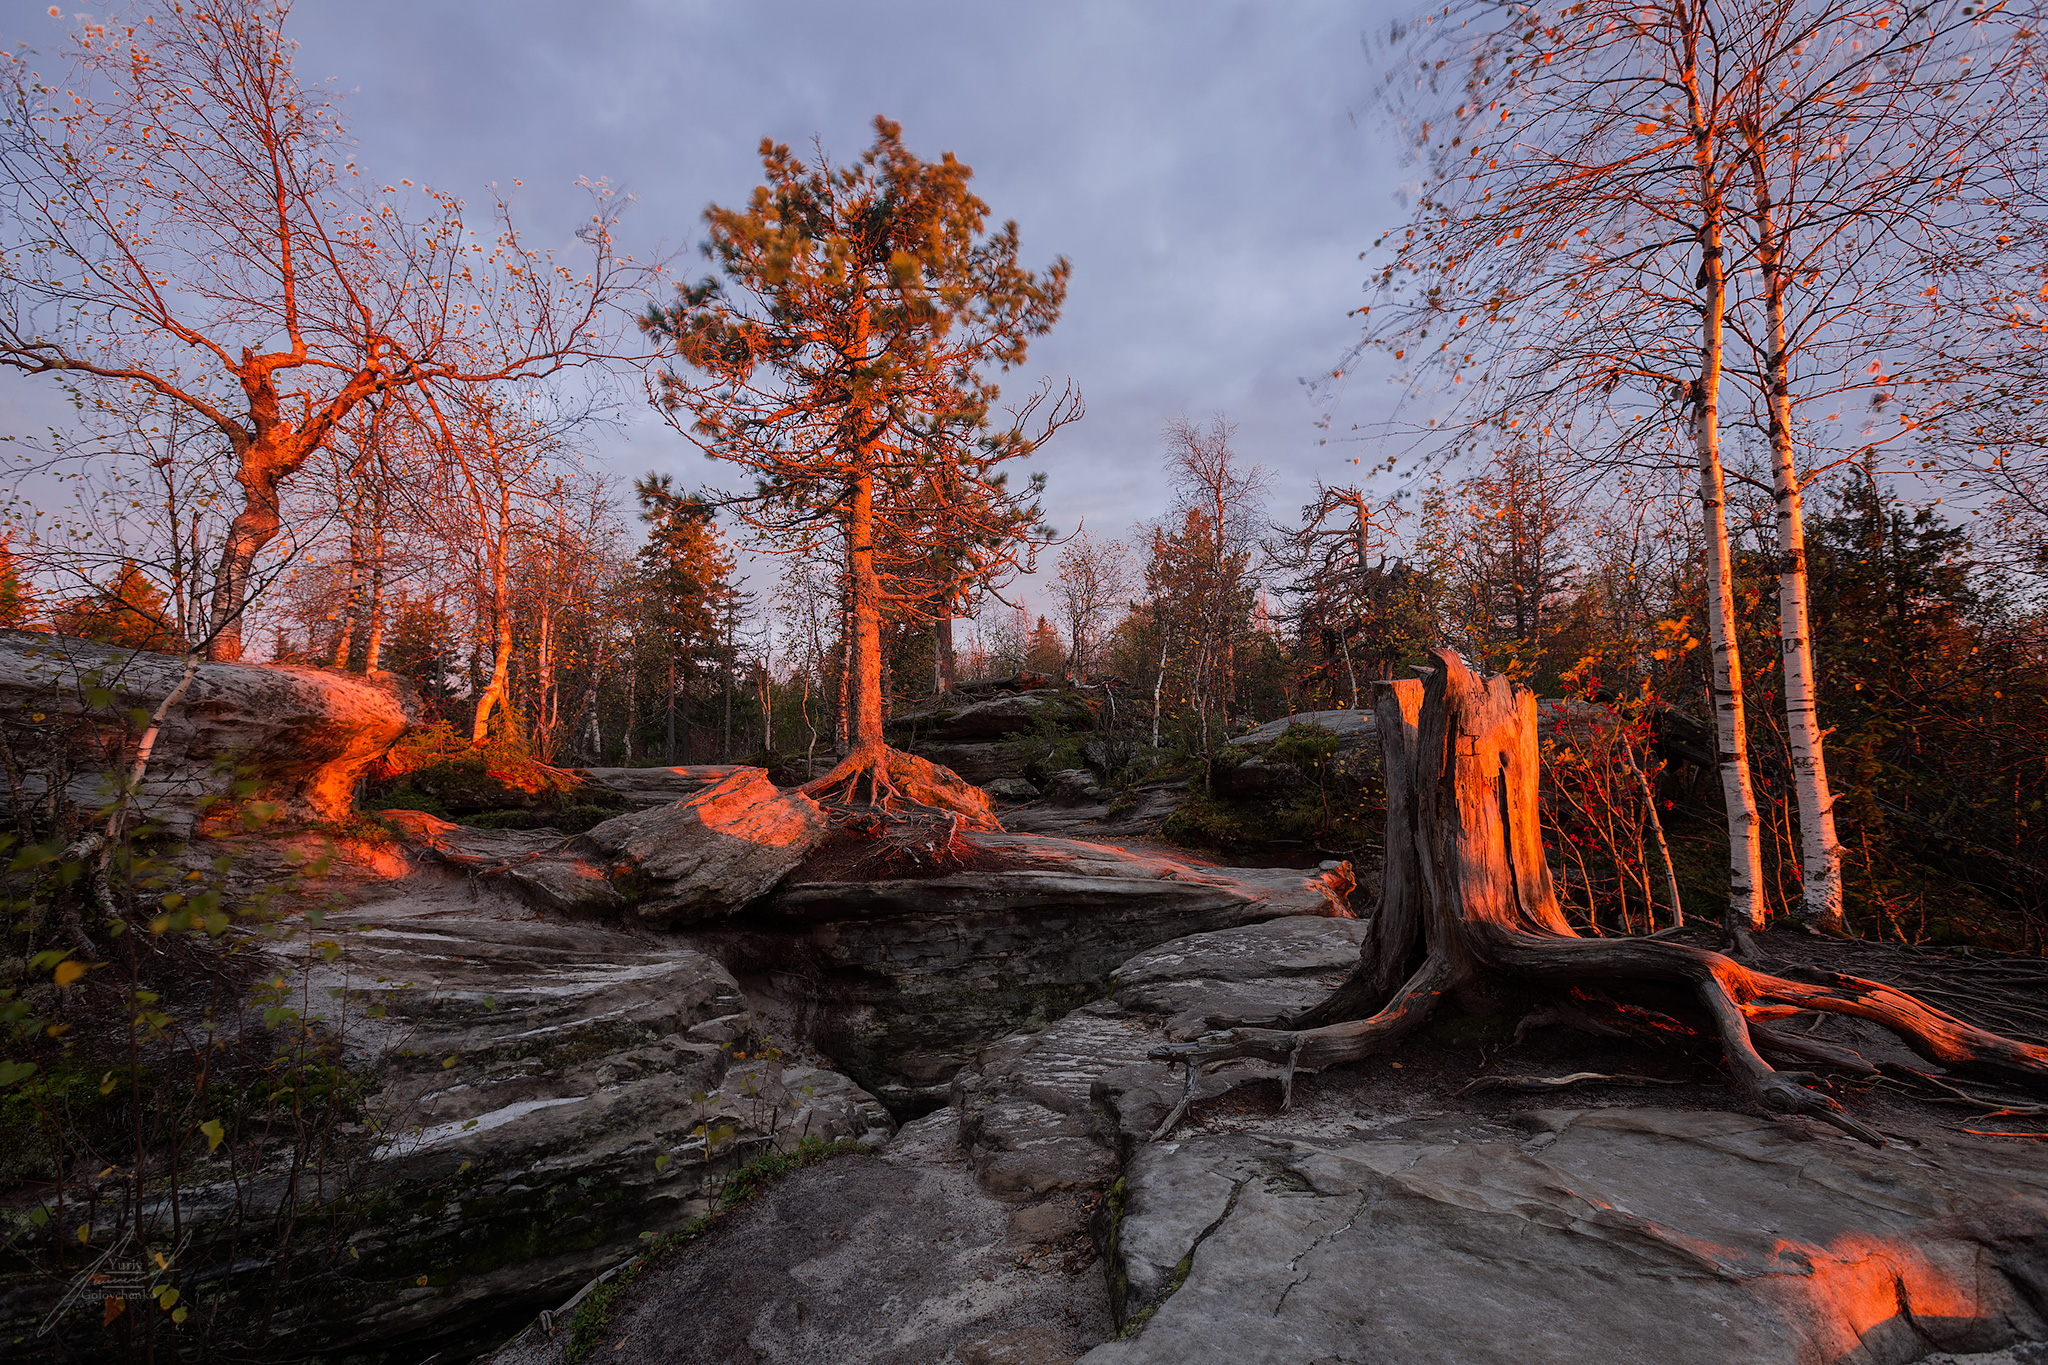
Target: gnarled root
{"type": "Point", "coordinates": [890, 782]}
{"type": "Point", "coordinates": [1736, 998]}
{"type": "Point", "coordinates": [1733, 994]}
{"type": "Point", "coordinates": [1331, 1045]}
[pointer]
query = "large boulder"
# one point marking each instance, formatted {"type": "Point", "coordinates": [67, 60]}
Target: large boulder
{"type": "Point", "coordinates": [998, 717]}
{"type": "Point", "coordinates": [980, 764]}
{"type": "Point", "coordinates": [305, 735]}
{"type": "Point", "coordinates": [704, 857]}
{"type": "Point", "coordinates": [695, 860]}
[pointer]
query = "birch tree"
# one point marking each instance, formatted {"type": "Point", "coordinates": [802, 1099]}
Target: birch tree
{"type": "Point", "coordinates": [1568, 261]}
{"type": "Point", "coordinates": [1866, 131]}
{"type": "Point", "coordinates": [177, 214]}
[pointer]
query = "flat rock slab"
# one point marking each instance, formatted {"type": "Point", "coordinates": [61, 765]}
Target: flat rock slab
{"type": "Point", "coordinates": [890, 1260]}
{"type": "Point", "coordinates": [1046, 1112]}
{"type": "Point", "coordinates": [656, 786]}
{"type": "Point", "coordinates": [1353, 729]}
{"type": "Point", "coordinates": [1265, 969]}
{"type": "Point", "coordinates": [1143, 814]}
{"type": "Point", "coordinates": [1694, 1238]}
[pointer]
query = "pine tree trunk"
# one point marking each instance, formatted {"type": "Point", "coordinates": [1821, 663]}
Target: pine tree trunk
{"type": "Point", "coordinates": [864, 729]}
{"type": "Point", "coordinates": [944, 664]}
{"type": "Point", "coordinates": [1821, 853]}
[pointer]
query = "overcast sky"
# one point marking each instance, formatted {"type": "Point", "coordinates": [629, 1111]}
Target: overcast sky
{"type": "Point", "coordinates": [1213, 172]}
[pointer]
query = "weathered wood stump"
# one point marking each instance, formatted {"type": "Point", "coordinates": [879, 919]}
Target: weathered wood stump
{"type": "Point", "coordinates": [1468, 902]}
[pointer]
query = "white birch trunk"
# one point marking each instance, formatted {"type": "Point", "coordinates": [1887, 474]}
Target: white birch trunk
{"type": "Point", "coordinates": [1745, 861]}
{"type": "Point", "coordinates": [1820, 851]}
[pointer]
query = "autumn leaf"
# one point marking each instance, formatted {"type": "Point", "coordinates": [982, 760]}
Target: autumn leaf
{"type": "Point", "coordinates": [214, 1133]}
{"type": "Point", "coordinates": [69, 971]}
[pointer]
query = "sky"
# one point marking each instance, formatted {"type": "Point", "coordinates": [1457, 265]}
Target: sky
{"type": "Point", "coordinates": [1213, 172]}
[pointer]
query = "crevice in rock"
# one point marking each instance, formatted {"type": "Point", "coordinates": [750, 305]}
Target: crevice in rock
{"type": "Point", "coordinates": [1135, 1323]}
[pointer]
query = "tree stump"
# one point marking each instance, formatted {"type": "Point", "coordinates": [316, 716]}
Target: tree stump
{"type": "Point", "coordinates": [1468, 903]}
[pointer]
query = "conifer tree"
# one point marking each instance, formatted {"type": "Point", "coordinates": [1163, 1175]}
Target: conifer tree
{"type": "Point", "coordinates": [17, 598]}
{"type": "Point", "coordinates": [842, 356]}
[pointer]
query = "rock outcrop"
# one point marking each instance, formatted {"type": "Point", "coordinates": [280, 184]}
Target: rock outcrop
{"type": "Point", "coordinates": [1135, 815]}
{"type": "Point", "coordinates": [896, 1259]}
{"type": "Point", "coordinates": [305, 735]}
{"type": "Point", "coordinates": [1353, 729]}
{"type": "Point", "coordinates": [1047, 1111]}
{"type": "Point", "coordinates": [1431, 1232]}
{"type": "Point", "coordinates": [548, 1092]}
{"type": "Point", "coordinates": [691, 861]}
{"type": "Point", "coordinates": [998, 717]}
{"type": "Point", "coordinates": [654, 786]}
{"type": "Point", "coordinates": [901, 980]}
{"type": "Point", "coordinates": [705, 857]}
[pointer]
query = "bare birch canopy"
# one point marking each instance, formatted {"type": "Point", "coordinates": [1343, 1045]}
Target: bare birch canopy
{"type": "Point", "coordinates": [183, 218]}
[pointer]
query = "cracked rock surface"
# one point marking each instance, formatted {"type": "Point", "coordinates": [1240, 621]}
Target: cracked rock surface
{"type": "Point", "coordinates": [1046, 1111]}
{"type": "Point", "coordinates": [1576, 1235]}
{"type": "Point", "coordinates": [903, 982]}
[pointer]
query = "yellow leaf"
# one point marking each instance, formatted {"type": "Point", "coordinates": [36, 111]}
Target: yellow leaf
{"type": "Point", "coordinates": [68, 972]}
{"type": "Point", "coordinates": [213, 1132]}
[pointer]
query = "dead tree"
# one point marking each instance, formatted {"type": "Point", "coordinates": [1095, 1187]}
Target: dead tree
{"type": "Point", "coordinates": [1467, 905]}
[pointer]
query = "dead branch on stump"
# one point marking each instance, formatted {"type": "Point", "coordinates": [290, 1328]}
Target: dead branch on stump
{"type": "Point", "coordinates": [1468, 900]}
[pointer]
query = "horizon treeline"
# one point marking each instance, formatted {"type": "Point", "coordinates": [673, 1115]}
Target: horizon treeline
{"type": "Point", "coordinates": [1700, 311]}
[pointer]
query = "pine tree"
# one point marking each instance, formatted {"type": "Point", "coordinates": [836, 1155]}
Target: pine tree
{"type": "Point", "coordinates": [17, 597]}
{"type": "Point", "coordinates": [683, 580]}
{"type": "Point", "coordinates": [131, 612]}
{"type": "Point", "coordinates": [842, 357]}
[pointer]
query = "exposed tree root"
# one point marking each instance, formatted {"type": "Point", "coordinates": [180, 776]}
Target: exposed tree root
{"type": "Point", "coordinates": [1465, 875]}
{"type": "Point", "coordinates": [889, 782]}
